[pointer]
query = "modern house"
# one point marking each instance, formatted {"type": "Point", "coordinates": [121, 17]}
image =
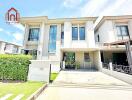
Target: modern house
{"type": "Point", "coordinates": [9, 48]}
{"type": "Point", "coordinates": [110, 32]}
{"type": "Point", "coordinates": [84, 41]}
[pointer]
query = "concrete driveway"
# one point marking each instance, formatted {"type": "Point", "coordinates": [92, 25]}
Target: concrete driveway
{"type": "Point", "coordinates": [83, 85]}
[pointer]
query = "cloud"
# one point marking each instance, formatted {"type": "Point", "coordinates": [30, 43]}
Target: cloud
{"type": "Point", "coordinates": [114, 9]}
{"type": "Point", "coordinates": [18, 36]}
{"type": "Point", "coordinates": [71, 3]}
{"type": "Point", "coordinates": [92, 7]}
{"type": "Point", "coordinates": [106, 7]}
{"type": "Point", "coordinates": [1, 29]}
{"type": "Point", "coordinates": [19, 26]}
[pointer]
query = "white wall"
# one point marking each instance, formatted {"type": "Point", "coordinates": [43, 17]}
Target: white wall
{"type": "Point", "coordinates": [130, 28]}
{"type": "Point", "coordinates": [67, 34]}
{"type": "Point", "coordinates": [39, 69]}
{"type": "Point", "coordinates": [2, 51]}
{"type": "Point", "coordinates": [90, 34]}
{"type": "Point", "coordinates": [106, 32]}
{"type": "Point", "coordinates": [97, 60]}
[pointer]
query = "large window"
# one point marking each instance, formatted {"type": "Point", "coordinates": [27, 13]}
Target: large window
{"type": "Point", "coordinates": [74, 33]}
{"type": "Point", "coordinates": [82, 33]}
{"type": "Point", "coordinates": [33, 34]}
{"type": "Point", "coordinates": [52, 38]}
{"type": "Point", "coordinates": [122, 31]}
{"type": "Point", "coordinates": [78, 32]}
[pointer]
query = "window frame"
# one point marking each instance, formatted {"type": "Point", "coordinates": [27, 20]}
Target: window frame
{"type": "Point", "coordinates": [120, 29]}
{"type": "Point", "coordinates": [53, 41]}
{"type": "Point", "coordinates": [78, 32]}
{"type": "Point", "coordinates": [29, 34]}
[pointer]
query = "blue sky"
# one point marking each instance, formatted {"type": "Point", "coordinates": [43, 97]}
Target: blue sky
{"type": "Point", "coordinates": [57, 9]}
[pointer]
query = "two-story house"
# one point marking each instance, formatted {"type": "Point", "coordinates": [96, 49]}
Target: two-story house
{"type": "Point", "coordinates": [62, 39]}
{"type": "Point", "coordinates": [113, 30]}
{"type": "Point", "coordinates": [9, 48]}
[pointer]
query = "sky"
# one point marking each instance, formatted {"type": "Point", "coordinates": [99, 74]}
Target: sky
{"type": "Point", "coordinates": [57, 9]}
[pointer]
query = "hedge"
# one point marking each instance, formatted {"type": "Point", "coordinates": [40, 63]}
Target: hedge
{"type": "Point", "coordinates": [14, 67]}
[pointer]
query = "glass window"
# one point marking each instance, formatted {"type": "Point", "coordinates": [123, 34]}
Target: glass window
{"type": "Point", "coordinates": [52, 38]}
{"type": "Point", "coordinates": [74, 33]}
{"type": "Point", "coordinates": [122, 30]}
{"type": "Point", "coordinates": [62, 33]}
{"type": "Point", "coordinates": [33, 34]}
{"type": "Point", "coordinates": [86, 57]}
{"type": "Point", "coordinates": [82, 33]}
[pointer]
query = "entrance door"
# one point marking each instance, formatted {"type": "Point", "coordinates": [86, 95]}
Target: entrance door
{"type": "Point", "coordinates": [69, 58]}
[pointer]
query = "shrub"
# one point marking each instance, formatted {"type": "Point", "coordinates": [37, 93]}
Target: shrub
{"type": "Point", "coordinates": [14, 67]}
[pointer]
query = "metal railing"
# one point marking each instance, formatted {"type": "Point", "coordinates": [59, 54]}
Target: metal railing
{"type": "Point", "coordinates": [106, 65]}
{"type": "Point", "coordinates": [122, 69]}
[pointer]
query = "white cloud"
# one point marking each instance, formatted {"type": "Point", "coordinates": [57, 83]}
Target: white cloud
{"type": "Point", "coordinates": [92, 6]}
{"type": "Point", "coordinates": [19, 26]}
{"type": "Point", "coordinates": [71, 3]}
{"type": "Point", "coordinates": [18, 36]}
{"type": "Point", "coordinates": [1, 29]}
{"type": "Point", "coordinates": [114, 9]}
{"type": "Point", "coordinates": [106, 7]}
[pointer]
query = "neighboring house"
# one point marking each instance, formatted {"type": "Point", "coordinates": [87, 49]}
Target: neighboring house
{"type": "Point", "coordinates": [9, 48]}
{"type": "Point", "coordinates": [77, 39]}
{"type": "Point", "coordinates": [113, 30]}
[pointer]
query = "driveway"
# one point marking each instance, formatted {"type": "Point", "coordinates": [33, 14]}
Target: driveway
{"type": "Point", "coordinates": [84, 85]}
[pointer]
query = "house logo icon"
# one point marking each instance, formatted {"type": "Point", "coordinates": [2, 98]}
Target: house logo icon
{"type": "Point", "coordinates": [12, 16]}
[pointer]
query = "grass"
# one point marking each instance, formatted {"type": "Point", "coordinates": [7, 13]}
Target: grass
{"type": "Point", "coordinates": [26, 88]}
{"type": "Point", "coordinates": [53, 76]}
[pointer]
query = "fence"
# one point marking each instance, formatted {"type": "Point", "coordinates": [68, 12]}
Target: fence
{"type": "Point", "coordinates": [118, 68]}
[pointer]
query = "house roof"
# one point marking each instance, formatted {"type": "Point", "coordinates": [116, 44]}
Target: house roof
{"type": "Point", "coordinates": [101, 19]}
{"type": "Point", "coordinates": [39, 19]}
{"type": "Point", "coordinates": [10, 43]}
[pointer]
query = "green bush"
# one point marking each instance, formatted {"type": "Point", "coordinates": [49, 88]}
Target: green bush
{"type": "Point", "coordinates": [14, 67]}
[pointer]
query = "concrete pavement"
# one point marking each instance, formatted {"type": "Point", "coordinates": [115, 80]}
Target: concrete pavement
{"type": "Point", "coordinates": [82, 85]}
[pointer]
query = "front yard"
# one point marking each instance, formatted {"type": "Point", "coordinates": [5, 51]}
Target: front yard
{"type": "Point", "coordinates": [15, 89]}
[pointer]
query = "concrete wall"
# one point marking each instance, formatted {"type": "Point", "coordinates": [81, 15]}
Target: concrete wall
{"type": "Point", "coordinates": [106, 32]}
{"type": "Point", "coordinates": [39, 69]}
{"type": "Point", "coordinates": [124, 77]}
{"type": "Point", "coordinates": [97, 60]}
{"type": "Point", "coordinates": [130, 28]}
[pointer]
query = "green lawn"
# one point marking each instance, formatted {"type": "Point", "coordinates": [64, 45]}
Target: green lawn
{"type": "Point", "coordinates": [26, 88]}
{"type": "Point", "coordinates": [53, 76]}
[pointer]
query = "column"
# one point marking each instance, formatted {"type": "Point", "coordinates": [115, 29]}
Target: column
{"type": "Point", "coordinates": [90, 34]}
{"type": "Point", "coordinates": [67, 34]}
{"type": "Point", "coordinates": [41, 41]}
{"type": "Point", "coordinates": [26, 33]}
{"type": "Point", "coordinates": [130, 28]}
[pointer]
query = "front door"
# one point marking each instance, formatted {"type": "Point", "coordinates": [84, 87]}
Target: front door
{"type": "Point", "coordinates": [69, 58]}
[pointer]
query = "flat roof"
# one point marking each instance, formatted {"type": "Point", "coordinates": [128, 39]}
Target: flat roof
{"type": "Point", "coordinates": [103, 18]}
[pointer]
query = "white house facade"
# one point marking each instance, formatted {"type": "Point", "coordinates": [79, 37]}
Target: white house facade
{"type": "Point", "coordinates": [9, 48]}
{"type": "Point", "coordinates": [80, 40]}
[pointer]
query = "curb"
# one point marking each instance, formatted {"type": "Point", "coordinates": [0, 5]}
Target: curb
{"type": "Point", "coordinates": [37, 93]}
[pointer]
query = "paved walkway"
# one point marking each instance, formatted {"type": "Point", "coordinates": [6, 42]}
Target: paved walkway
{"type": "Point", "coordinates": [82, 85]}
